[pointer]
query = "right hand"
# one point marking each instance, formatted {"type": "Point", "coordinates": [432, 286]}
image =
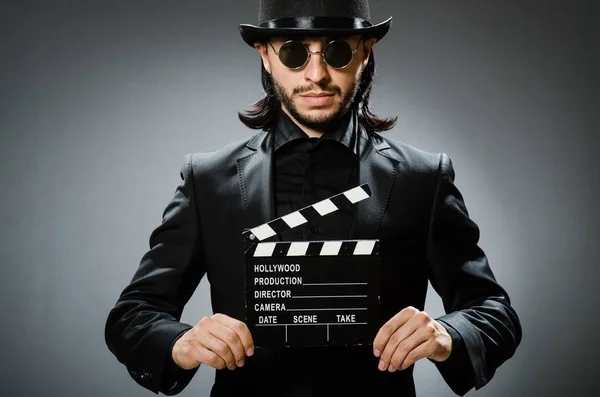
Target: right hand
{"type": "Point", "coordinates": [218, 341]}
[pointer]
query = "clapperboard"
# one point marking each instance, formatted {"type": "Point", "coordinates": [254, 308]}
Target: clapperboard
{"type": "Point", "coordinates": [312, 293]}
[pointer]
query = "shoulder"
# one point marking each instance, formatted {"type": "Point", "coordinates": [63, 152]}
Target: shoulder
{"type": "Point", "coordinates": [411, 158]}
{"type": "Point", "coordinates": [223, 157]}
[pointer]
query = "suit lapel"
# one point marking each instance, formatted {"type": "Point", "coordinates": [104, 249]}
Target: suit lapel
{"type": "Point", "coordinates": [378, 171]}
{"type": "Point", "coordinates": [256, 181]}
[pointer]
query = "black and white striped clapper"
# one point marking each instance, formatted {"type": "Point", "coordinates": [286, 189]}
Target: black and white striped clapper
{"type": "Point", "coordinates": [312, 293]}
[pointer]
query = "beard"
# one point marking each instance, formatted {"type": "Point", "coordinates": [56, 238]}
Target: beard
{"type": "Point", "coordinates": [320, 123]}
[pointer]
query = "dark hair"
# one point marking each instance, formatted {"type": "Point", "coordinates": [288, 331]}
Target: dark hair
{"type": "Point", "coordinates": [263, 112]}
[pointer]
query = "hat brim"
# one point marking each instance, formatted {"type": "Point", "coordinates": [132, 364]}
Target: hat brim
{"type": "Point", "coordinates": [252, 34]}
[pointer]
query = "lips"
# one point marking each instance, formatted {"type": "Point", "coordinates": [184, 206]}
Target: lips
{"type": "Point", "coordinates": [317, 95]}
{"type": "Point", "coordinates": [318, 99]}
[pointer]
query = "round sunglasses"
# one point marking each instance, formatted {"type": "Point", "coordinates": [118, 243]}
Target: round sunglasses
{"type": "Point", "coordinates": [294, 54]}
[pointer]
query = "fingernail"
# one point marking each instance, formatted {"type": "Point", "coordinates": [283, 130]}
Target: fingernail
{"type": "Point", "coordinates": [377, 353]}
{"type": "Point", "coordinates": [391, 368]}
{"type": "Point", "coordinates": [240, 363]}
{"type": "Point", "coordinates": [381, 365]}
{"type": "Point", "coordinates": [250, 351]}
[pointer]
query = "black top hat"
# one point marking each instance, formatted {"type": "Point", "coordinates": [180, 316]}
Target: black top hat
{"type": "Point", "coordinates": [313, 17]}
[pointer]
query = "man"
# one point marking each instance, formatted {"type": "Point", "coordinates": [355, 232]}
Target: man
{"type": "Point", "coordinates": [318, 138]}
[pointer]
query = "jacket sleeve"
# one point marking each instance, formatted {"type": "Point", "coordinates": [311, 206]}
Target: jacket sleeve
{"type": "Point", "coordinates": [144, 324]}
{"type": "Point", "coordinates": [484, 327]}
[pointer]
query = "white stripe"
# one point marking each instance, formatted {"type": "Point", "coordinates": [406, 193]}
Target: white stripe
{"type": "Point", "coordinates": [298, 248]}
{"type": "Point", "coordinates": [294, 219]}
{"type": "Point", "coordinates": [325, 207]}
{"type": "Point", "coordinates": [364, 247]}
{"type": "Point", "coordinates": [356, 194]}
{"type": "Point", "coordinates": [265, 249]}
{"type": "Point", "coordinates": [331, 248]}
{"type": "Point", "coordinates": [263, 232]}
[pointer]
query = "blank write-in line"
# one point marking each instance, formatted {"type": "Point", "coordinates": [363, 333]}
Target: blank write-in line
{"type": "Point", "coordinates": [336, 284]}
{"type": "Point", "coordinates": [330, 296]}
{"type": "Point", "coordinates": [334, 308]}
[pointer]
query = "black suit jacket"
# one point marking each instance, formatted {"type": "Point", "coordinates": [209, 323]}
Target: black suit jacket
{"type": "Point", "coordinates": [415, 210]}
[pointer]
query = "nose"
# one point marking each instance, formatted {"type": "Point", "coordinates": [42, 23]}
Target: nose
{"type": "Point", "coordinates": [316, 69]}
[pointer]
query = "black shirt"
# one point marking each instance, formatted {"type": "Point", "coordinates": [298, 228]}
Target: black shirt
{"type": "Point", "coordinates": [308, 170]}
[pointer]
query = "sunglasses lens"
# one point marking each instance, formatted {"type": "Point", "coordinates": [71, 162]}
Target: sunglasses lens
{"type": "Point", "coordinates": [338, 54]}
{"type": "Point", "coordinates": [293, 54]}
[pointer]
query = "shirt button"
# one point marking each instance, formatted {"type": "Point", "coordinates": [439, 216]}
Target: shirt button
{"type": "Point", "coordinates": [315, 182]}
{"type": "Point", "coordinates": [314, 230]}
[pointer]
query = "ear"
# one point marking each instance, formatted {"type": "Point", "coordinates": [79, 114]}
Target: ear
{"type": "Point", "coordinates": [263, 51]}
{"type": "Point", "coordinates": [367, 50]}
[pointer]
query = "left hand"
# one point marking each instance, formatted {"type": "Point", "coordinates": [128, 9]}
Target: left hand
{"type": "Point", "coordinates": [408, 337]}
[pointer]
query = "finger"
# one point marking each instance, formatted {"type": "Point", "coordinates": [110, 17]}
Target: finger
{"type": "Point", "coordinates": [231, 339]}
{"type": "Point", "coordinates": [241, 329]}
{"type": "Point", "coordinates": [419, 352]}
{"type": "Point", "coordinates": [397, 339]}
{"type": "Point", "coordinates": [417, 321]}
{"type": "Point", "coordinates": [390, 327]}
{"type": "Point", "coordinates": [406, 348]}
{"type": "Point", "coordinates": [219, 347]}
{"type": "Point", "coordinates": [205, 356]}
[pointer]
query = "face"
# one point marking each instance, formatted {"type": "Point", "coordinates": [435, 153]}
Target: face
{"type": "Point", "coordinates": [316, 95]}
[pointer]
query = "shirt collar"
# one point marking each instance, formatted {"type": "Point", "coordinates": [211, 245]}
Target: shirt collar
{"type": "Point", "coordinates": [286, 130]}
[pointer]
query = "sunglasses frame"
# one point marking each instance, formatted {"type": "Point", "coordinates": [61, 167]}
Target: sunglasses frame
{"type": "Point", "coordinates": [309, 53]}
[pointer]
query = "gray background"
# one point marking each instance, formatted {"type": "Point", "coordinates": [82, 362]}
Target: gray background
{"type": "Point", "coordinates": [100, 101]}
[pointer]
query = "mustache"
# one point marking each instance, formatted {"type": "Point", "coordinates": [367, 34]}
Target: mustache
{"type": "Point", "coordinates": [333, 89]}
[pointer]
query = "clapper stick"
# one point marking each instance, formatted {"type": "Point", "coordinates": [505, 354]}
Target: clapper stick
{"type": "Point", "coordinates": [308, 213]}
{"type": "Point", "coordinates": [312, 293]}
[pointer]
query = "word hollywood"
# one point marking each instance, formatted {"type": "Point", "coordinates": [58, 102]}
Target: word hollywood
{"type": "Point", "coordinates": [277, 268]}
